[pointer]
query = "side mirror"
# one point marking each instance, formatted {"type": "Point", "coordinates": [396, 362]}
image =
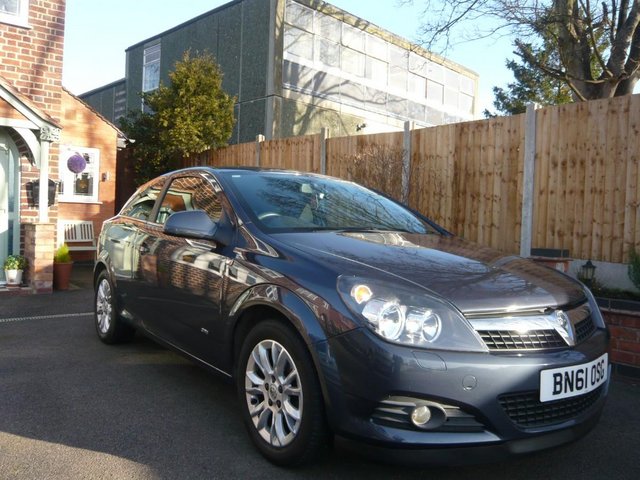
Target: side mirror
{"type": "Point", "coordinates": [192, 224]}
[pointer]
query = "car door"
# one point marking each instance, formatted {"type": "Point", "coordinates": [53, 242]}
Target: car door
{"type": "Point", "coordinates": [181, 280]}
{"type": "Point", "coordinates": [118, 239]}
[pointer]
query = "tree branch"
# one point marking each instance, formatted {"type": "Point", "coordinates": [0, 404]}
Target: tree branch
{"type": "Point", "coordinates": [623, 39]}
{"type": "Point", "coordinates": [592, 39]}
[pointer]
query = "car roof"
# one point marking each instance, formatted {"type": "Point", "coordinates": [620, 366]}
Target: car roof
{"type": "Point", "coordinates": [251, 170]}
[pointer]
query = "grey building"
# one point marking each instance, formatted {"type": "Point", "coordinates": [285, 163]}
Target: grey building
{"type": "Point", "coordinates": [296, 66]}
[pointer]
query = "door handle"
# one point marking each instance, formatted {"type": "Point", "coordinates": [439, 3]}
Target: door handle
{"type": "Point", "coordinates": [204, 245]}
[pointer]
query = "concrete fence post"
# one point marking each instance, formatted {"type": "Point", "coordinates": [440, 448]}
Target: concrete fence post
{"type": "Point", "coordinates": [259, 140]}
{"type": "Point", "coordinates": [406, 162]}
{"type": "Point", "coordinates": [526, 230]}
{"type": "Point", "coordinates": [324, 135]}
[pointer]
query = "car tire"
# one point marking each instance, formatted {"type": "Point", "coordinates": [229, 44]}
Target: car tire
{"type": "Point", "coordinates": [280, 396]}
{"type": "Point", "coordinates": [110, 327]}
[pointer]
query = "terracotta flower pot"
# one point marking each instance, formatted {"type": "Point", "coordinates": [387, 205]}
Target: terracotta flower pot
{"type": "Point", "coordinates": [61, 275]}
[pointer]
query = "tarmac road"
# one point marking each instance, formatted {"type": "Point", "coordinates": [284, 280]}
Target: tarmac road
{"type": "Point", "coordinates": [73, 408]}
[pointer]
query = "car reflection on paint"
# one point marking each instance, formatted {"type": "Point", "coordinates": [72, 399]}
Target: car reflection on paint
{"type": "Point", "coordinates": [339, 312]}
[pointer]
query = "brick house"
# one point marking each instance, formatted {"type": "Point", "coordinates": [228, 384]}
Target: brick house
{"type": "Point", "coordinates": [41, 127]}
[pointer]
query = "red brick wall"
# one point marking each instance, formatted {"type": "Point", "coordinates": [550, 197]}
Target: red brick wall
{"type": "Point", "coordinates": [31, 58]}
{"type": "Point", "coordinates": [84, 128]}
{"type": "Point", "coordinates": [625, 337]}
{"type": "Point", "coordinates": [38, 248]}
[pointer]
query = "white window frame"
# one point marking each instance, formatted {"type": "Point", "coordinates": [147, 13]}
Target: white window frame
{"type": "Point", "coordinates": [68, 178]}
{"type": "Point", "coordinates": [18, 19]}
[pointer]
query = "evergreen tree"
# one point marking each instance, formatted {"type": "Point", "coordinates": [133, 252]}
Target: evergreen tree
{"type": "Point", "coordinates": [187, 117]}
{"type": "Point", "coordinates": [530, 85]}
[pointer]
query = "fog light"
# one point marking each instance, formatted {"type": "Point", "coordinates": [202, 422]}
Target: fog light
{"type": "Point", "coordinates": [420, 415]}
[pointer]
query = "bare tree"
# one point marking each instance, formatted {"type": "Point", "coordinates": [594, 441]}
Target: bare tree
{"type": "Point", "coordinates": [594, 47]}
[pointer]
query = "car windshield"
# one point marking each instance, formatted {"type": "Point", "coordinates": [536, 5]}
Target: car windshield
{"type": "Point", "coordinates": [285, 202]}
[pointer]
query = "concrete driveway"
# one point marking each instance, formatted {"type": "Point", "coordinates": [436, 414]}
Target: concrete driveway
{"type": "Point", "coordinates": [73, 408]}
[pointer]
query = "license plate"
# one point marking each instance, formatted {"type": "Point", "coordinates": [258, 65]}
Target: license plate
{"type": "Point", "coordinates": [566, 382]}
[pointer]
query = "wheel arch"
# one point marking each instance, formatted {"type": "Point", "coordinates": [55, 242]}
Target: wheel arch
{"type": "Point", "coordinates": [279, 303]}
{"type": "Point", "coordinates": [97, 270]}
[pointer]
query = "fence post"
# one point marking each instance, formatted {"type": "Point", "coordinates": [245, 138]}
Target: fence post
{"type": "Point", "coordinates": [259, 140]}
{"type": "Point", "coordinates": [406, 162]}
{"type": "Point", "coordinates": [528, 179]}
{"type": "Point", "coordinates": [324, 134]}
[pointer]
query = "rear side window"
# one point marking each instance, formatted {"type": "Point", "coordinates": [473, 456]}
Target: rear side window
{"type": "Point", "coordinates": [189, 193]}
{"type": "Point", "coordinates": [141, 204]}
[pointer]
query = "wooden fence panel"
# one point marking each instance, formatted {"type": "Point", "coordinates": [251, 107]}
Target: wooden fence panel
{"type": "Point", "coordinates": [469, 177]}
{"type": "Point", "coordinates": [372, 160]}
{"type": "Point", "coordinates": [586, 183]}
{"type": "Point", "coordinates": [631, 233]}
{"type": "Point", "coordinates": [296, 153]}
{"type": "Point", "coordinates": [241, 155]}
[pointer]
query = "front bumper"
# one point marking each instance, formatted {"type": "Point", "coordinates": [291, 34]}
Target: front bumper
{"type": "Point", "coordinates": [468, 454]}
{"type": "Point", "coordinates": [362, 372]}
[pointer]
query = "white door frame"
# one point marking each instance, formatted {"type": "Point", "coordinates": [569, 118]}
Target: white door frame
{"type": "Point", "coordinates": [9, 198]}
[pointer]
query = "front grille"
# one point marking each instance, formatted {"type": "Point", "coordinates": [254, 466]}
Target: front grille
{"type": "Point", "coordinates": [396, 412]}
{"type": "Point", "coordinates": [527, 411]}
{"type": "Point", "coordinates": [512, 340]}
{"type": "Point", "coordinates": [584, 329]}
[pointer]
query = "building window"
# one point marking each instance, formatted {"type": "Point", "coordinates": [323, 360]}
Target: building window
{"type": "Point", "coordinates": [353, 62]}
{"type": "Point", "coordinates": [298, 43]}
{"type": "Point", "coordinates": [151, 68]}
{"type": "Point", "coordinates": [435, 92]}
{"type": "Point", "coordinates": [79, 171]}
{"type": "Point", "coordinates": [328, 52]}
{"type": "Point", "coordinates": [299, 15]}
{"type": "Point", "coordinates": [15, 12]}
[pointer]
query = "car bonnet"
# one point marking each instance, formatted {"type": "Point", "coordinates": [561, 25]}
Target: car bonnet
{"type": "Point", "coordinates": [475, 279]}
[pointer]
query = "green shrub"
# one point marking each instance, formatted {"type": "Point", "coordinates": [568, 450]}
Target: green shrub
{"type": "Point", "coordinates": [634, 268]}
{"type": "Point", "coordinates": [15, 262]}
{"type": "Point", "coordinates": [62, 254]}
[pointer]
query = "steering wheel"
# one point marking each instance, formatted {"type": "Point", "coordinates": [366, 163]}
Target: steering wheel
{"type": "Point", "coordinates": [264, 215]}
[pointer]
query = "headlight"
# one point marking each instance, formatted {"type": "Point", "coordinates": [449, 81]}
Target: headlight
{"type": "Point", "coordinates": [408, 316]}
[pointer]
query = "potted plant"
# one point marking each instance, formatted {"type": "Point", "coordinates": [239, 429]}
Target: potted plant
{"type": "Point", "coordinates": [13, 267]}
{"type": "Point", "coordinates": [62, 263]}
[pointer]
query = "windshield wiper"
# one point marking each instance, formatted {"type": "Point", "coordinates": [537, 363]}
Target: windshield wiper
{"type": "Point", "coordinates": [360, 230]}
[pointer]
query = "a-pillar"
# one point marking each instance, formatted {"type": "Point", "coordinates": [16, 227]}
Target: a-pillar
{"type": "Point", "coordinates": [39, 248]}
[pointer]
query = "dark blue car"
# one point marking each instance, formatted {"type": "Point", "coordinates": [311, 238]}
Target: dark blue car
{"type": "Point", "coordinates": [337, 311]}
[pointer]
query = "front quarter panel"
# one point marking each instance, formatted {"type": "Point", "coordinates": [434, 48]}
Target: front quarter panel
{"type": "Point", "coordinates": [306, 312]}
{"type": "Point", "coordinates": [303, 315]}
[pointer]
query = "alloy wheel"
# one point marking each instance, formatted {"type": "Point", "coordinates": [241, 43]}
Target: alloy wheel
{"type": "Point", "coordinates": [103, 306]}
{"type": "Point", "coordinates": [274, 393]}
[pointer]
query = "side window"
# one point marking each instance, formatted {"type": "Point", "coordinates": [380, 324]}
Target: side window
{"type": "Point", "coordinates": [140, 205]}
{"type": "Point", "coordinates": [190, 193]}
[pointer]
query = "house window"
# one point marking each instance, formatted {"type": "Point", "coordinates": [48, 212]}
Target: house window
{"type": "Point", "coordinates": [79, 174]}
{"type": "Point", "coordinates": [15, 12]}
{"type": "Point", "coordinates": [151, 68]}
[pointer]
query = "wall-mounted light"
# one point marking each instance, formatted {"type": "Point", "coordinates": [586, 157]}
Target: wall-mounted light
{"type": "Point", "coordinates": [361, 126]}
{"type": "Point", "coordinates": [588, 273]}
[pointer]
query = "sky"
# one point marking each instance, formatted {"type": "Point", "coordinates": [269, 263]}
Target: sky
{"type": "Point", "coordinates": [98, 32]}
